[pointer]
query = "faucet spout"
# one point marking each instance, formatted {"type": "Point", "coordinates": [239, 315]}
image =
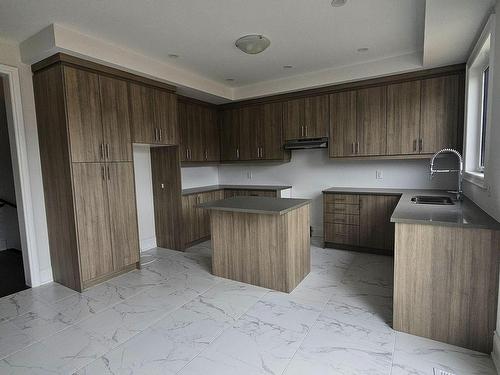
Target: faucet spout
{"type": "Point", "coordinates": [460, 170]}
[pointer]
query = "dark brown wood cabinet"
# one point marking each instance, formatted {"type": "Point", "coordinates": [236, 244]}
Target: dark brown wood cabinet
{"type": "Point", "coordinates": [359, 221]}
{"type": "Point", "coordinates": [153, 115]}
{"type": "Point", "coordinates": [306, 117]}
{"type": "Point", "coordinates": [230, 134]}
{"type": "Point", "coordinates": [371, 126]}
{"type": "Point", "coordinates": [343, 134]}
{"type": "Point", "coordinates": [199, 132]}
{"type": "Point", "coordinates": [85, 145]}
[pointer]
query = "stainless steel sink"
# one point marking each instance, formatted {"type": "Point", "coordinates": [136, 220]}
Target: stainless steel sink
{"type": "Point", "coordinates": [429, 199]}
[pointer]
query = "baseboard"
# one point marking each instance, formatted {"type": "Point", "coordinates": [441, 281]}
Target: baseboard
{"type": "Point", "coordinates": [147, 243]}
{"type": "Point", "coordinates": [495, 354]}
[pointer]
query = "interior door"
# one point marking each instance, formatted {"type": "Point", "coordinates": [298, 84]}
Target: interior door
{"type": "Point", "coordinates": [440, 113]}
{"type": "Point", "coordinates": [403, 118]}
{"type": "Point", "coordinates": [230, 135]}
{"type": "Point", "coordinates": [371, 121]}
{"type": "Point", "coordinates": [83, 115]}
{"type": "Point", "coordinates": [142, 113]}
{"type": "Point", "coordinates": [165, 115]}
{"type": "Point", "coordinates": [343, 135]}
{"type": "Point", "coordinates": [317, 116]}
{"type": "Point", "coordinates": [271, 131]}
{"type": "Point", "coordinates": [294, 118]}
{"type": "Point", "coordinates": [92, 216]}
{"type": "Point", "coordinates": [123, 214]}
{"type": "Point", "coordinates": [115, 119]}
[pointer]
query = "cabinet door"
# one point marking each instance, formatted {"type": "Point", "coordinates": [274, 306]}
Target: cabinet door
{"type": "Point", "coordinates": [195, 132]}
{"type": "Point", "coordinates": [115, 119]}
{"type": "Point", "coordinates": [250, 124]}
{"type": "Point", "coordinates": [183, 131]}
{"type": "Point", "coordinates": [440, 113]}
{"type": "Point", "coordinates": [230, 135]}
{"type": "Point", "coordinates": [376, 230]}
{"type": "Point", "coordinates": [342, 124]}
{"type": "Point", "coordinates": [84, 115]}
{"type": "Point", "coordinates": [403, 118]}
{"type": "Point", "coordinates": [294, 117]}
{"type": "Point", "coordinates": [92, 217]}
{"type": "Point", "coordinates": [142, 113]}
{"type": "Point", "coordinates": [165, 116]}
{"type": "Point", "coordinates": [123, 214]}
{"type": "Point", "coordinates": [190, 218]}
{"type": "Point", "coordinates": [270, 134]}
{"type": "Point", "coordinates": [371, 121]}
{"type": "Point", "coordinates": [317, 116]}
{"type": "Point", "coordinates": [211, 135]}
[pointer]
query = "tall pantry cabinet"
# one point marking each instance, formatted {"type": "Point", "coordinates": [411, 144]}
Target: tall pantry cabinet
{"type": "Point", "coordinates": [86, 154]}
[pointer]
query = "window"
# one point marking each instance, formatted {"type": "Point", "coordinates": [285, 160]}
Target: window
{"type": "Point", "coordinates": [478, 106]}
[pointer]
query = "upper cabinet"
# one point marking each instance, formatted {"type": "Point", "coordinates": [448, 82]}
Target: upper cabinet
{"type": "Point", "coordinates": [306, 117]}
{"type": "Point", "coordinates": [414, 117]}
{"type": "Point", "coordinates": [98, 117]}
{"type": "Point", "coordinates": [199, 132]}
{"type": "Point", "coordinates": [153, 115]}
{"type": "Point", "coordinates": [230, 134]}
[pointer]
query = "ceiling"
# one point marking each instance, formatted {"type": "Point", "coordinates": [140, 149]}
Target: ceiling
{"type": "Point", "coordinates": [311, 35]}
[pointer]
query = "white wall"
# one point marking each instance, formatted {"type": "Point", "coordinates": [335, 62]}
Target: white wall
{"type": "Point", "coordinates": [489, 199]}
{"type": "Point", "coordinates": [9, 55]}
{"type": "Point", "coordinates": [199, 176]}
{"type": "Point", "coordinates": [311, 171]}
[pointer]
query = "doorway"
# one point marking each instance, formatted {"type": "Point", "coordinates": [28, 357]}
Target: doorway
{"type": "Point", "coordinates": [12, 278]}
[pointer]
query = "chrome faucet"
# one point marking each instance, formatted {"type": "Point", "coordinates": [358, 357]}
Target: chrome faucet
{"type": "Point", "coordinates": [460, 171]}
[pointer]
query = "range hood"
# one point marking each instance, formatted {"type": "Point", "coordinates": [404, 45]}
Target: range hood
{"type": "Point", "coordinates": [300, 144]}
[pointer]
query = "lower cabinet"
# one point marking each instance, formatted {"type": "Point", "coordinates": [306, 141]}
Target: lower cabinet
{"type": "Point", "coordinates": [106, 219]}
{"type": "Point", "coordinates": [359, 220]}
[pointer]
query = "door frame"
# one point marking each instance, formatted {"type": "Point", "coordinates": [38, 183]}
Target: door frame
{"type": "Point", "coordinates": [20, 168]}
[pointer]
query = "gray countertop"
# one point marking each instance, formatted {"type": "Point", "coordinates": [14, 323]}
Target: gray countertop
{"type": "Point", "coordinates": [462, 214]}
{"type": "Point", "coordinates": [203, 189]}
{"type": "Point", "coordinates": [256, 205]}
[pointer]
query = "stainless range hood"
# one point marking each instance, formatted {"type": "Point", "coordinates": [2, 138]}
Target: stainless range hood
{"type": "Point", "coordinates": [300, 144]}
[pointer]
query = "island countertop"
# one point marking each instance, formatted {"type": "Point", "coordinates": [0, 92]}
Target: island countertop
{"type": "Point", "coordinates": [256, 205]}
{"type": "Point", "coordinates": [461, 214]}
{"type": "Point", "coordinates": [204, 189]}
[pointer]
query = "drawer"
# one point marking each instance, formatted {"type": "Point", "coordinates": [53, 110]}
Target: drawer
{"type": "Point", "coordinates": [342, 234]}
{"type": "Point", "coordinates": [342, 198]}
{"type": "Point", "coordinates": [340, 218]}
{"type": "Point", "coordinates": [340, 208]}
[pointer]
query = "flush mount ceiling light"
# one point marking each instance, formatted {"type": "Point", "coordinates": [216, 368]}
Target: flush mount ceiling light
{"type": "Point", "coordinates": [252, 44]}
{"type": "Point", "coordinates": [230, 79]}
{"type": "Point", "coordinates": [287, 66]}
{"type": "Point", "coordinates": [173, 55]}
{"type": "Point", "coordinates": [362, 50]}
{"type": "Point", "coordinates": [338, 3]}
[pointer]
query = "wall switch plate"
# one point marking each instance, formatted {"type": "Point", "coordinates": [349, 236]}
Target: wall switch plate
{"type": "Point", "coordinates": [379, 175]}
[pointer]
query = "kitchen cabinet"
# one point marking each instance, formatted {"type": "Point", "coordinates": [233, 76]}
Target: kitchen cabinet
{"type": "Point", "coordinates": [250, 128]}
{"type": "Point", "coordinates": [199, 133]}
{"type": "Point", "coordinates": [359, 220]}
{"type": "Point", "coordinates": [403, 118]}
{"type": "Point", "coordinates": [153, 115]}
{"type": "Point", "coordinates": [85, 145]}
{"type": "Point", "coordinates": [230, 135]}
{"type": "Point", "coordinates": [306, 117]}
{"type": "Point", "coordinates": [441, 113]}
{"type": "Point", "coordinates": [271, 133]}
{"type": "Point", "coordinates": [371, 126]}
{"type": "Point", "coordinates": [343, 135]}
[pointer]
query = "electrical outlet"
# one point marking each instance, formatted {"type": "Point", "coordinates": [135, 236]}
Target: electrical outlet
{"type": "Point", "coordinates": [379, 175]}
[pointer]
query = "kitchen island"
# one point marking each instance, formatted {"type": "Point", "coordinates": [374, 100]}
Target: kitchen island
{"type": "Point", "coordinates": [262, 241]}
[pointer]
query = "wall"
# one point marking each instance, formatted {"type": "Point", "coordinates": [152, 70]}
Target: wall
{"type": "Point", "coordinates": [311, 171]}
{"type": "Point", "coordinates": [489, 198]}
{"type": "Point", "coordinates": [9, 55]}
{"type": "Point", "coordinates": [9, 227]}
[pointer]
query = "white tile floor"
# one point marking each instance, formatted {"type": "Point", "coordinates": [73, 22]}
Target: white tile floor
{"type": "Point", "coordinates": [174, 317]}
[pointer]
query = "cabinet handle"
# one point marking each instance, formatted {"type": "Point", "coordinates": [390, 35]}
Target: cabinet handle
{"type": "Point", "coordinates": [301, 130]}
{"type": "Point", "coordinates": [237, 153]}
{"type": "Point", "coordinates": [161, 133]}
{"type": "Point", "coordinates": [109, 176]}
{"type": "Point", "coordinates": [206, 154]}
{"type": "Point", "coordinates": [262, 152]}
{"type": "Point", "coordinates": [102, 173]}
{"type": "Point", "coordinates": [306, 130]}
{"type": "Point", "coordinates": [187, 153]}
{"type": "Point", "coordinates": [357, 147]}
{"type": "Point", "coordinates": [352, 148]}
{"type": "Point", "coordinates": [101, 147]}
{"type": "Point", "coordinates": [414, 145]}
{"type": "Point", "coordinates": [420, 144]}
{"type": "Point", "coordinates": [107, 151]}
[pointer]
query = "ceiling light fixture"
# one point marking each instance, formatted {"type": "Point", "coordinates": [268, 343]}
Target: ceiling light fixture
{"type": "Point", "coordinates": [338, 3]}
{"type": "Point", "coordinates": [287, 66]}
{"type": "Point", "coordinates": [173, 56]}
{"type": "Point", "coordinates": [252, 44]}
{"type": "Point", "coordinates": [362, 50]}
{"type": "Point", "coordinates": [230, 79]}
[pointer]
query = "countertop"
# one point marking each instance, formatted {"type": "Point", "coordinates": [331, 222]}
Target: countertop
{"type": "Point", "coordinates": [464, 214]}
{"type": "Point", "coordinates": [256, 205]}
{"type": "Point", "coordinates": [204, 189]}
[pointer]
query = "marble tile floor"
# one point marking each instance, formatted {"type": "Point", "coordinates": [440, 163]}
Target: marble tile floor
{"type": "Point", "coordinates": [174, 317]}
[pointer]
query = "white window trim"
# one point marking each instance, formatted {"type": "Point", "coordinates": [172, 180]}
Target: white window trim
{"type": "Point", "coordinates": [472, 175]}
